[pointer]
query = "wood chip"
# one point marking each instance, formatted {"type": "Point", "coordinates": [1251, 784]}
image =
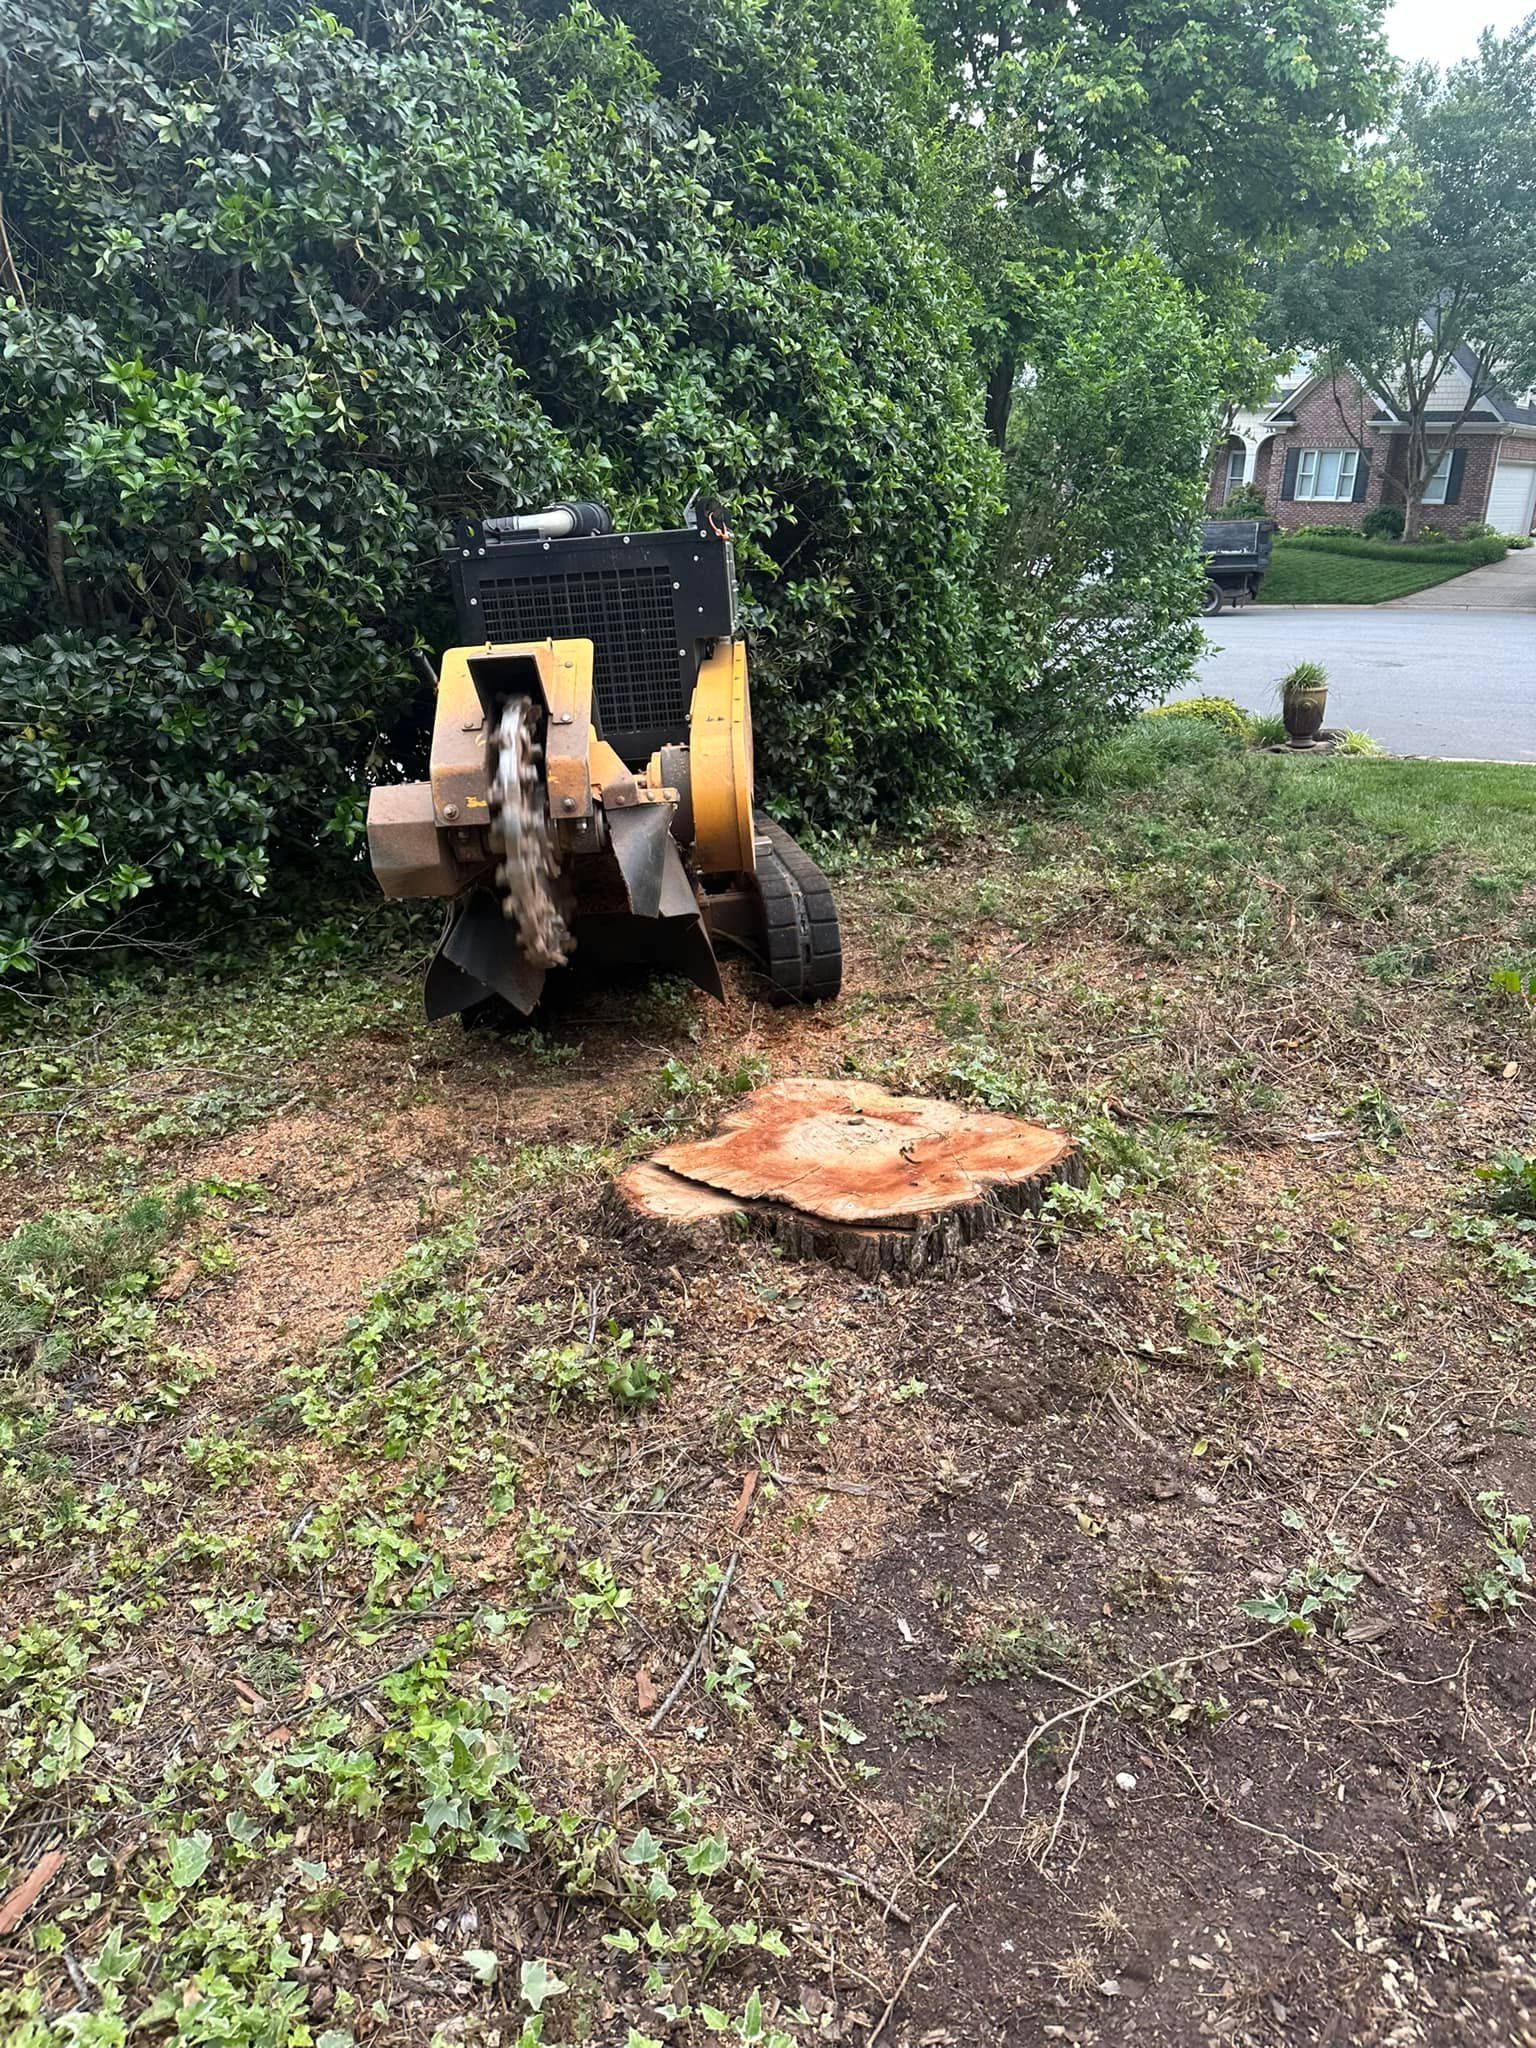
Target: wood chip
{"type": "Point", "coordinates": [744, 1504]}
{"type": "Point", "coordinates": [21, 1898]}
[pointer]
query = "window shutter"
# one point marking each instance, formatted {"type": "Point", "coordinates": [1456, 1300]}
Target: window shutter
{"type": "Point", "coordinates": [1453, 481]}
{"type": "Point", "coordinates": [1288, 481]}
{"type": "Point", "coordinates": [1362, 480]}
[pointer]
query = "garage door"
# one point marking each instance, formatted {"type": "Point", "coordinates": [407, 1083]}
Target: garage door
{"type": "Point", "coordinates": [1512, 500]}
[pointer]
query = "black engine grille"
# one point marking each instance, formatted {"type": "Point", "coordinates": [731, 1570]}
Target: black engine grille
{"type": "Point", "coordinates": [628, 613]}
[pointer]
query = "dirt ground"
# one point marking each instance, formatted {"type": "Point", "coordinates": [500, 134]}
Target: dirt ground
{"type": "Point", "coordinates": [980, 1747]}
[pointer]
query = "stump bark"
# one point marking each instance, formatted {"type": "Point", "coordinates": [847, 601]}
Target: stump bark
{"type": "Point", "coordinates": [842, 1169]}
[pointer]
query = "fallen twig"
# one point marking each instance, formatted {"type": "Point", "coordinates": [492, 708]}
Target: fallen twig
{"type": "Point", "coordinates": [906, 1976]}
{"type": "Point", "coordinates": [1213, 1804]}
{"type": "Point", "coordinates": [1134, 1426]}
{"type": "Point", "coordinates": [1085, 1708]}
{"type": "Point", "coordinates": [698, 1649]}
{"type": "Point", "coordinates": [1068, 1780]}
{"type": "Point", "coordinates": [888, 1906]}
{"type": "Point", "coordinates": [1338, 1330]}
{"type": "Point", "coordinates": [817, 1481]}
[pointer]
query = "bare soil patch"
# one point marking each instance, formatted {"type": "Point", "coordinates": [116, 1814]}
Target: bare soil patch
{"type": "Point", "coordinates": [857, 1659]}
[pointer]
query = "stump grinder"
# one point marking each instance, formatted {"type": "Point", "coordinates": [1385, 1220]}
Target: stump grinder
{"type": "Point", "coordinates": [590, 789]}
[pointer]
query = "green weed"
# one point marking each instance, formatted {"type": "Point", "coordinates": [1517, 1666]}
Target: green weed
{"type": "Point", "coordinates": [918, 1720]}
{"type": "Point", "coordinates": [1509, 1184]}
{"type": "Point", "coordinates": [60, 1276]}
{"type": "Point", "coordinates": [1006, 1652]}
{"type": "Point", "coordinates": [1509, 1263]}
{"type": "Point", "coordinates": [612, 1368]}
{"type": "Point", "coordinates": [804, 1398]}
{"type": "Point", "coordinates": [1503, 1586]}
{"type": "Point", "coordinates": [1163, 1696]}
{"type": "Point", "coordinates": [1377, 1119]}
{"type": "Point", "coordinates": [1316, 1596]}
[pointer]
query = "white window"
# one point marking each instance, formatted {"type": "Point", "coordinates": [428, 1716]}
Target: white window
{"type": "Point", "coordinates": [1327, 474]}
{"type": "Point", "coordinates": [1237, 462]}
{"type": "Point", "coordinates": [1440, 482]}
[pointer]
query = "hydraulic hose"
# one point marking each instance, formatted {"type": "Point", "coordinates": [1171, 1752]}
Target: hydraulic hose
{"type": "Point", "coordinates": [555, 522]}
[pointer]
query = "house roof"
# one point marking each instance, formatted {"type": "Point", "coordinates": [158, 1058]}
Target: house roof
{"type": "Point", "coordinates": [1494, 408]}
{"type": "Point", "coordinates": [1283, 412]}
{"type": "Point", "coordinates": [1495, 401]}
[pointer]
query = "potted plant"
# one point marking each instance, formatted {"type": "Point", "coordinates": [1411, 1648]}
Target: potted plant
{"type": "Point", "coordinates": [1303, 700]}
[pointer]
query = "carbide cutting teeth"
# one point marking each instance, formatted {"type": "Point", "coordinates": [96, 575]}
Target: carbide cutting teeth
{"type": "Point", "coordinates": [530, 863]}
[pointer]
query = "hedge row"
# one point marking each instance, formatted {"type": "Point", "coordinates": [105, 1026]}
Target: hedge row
{"type": "Point", "coordinates": [300, 284]}
{"type": "Point", "coordinates": [1474, 553]}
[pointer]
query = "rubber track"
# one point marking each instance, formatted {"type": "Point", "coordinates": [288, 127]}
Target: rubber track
{"type": "Point", "coordinates": [803, 948]}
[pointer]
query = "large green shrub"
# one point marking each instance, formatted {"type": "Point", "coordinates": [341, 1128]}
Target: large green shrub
{"type": "Point", "coordinates": [1106, 481]}
{"type": "Point", "coordinates": [1383, 522]}
{"type": "Point", "coordinates": [1221, 712]}
{"type": "Point", "coordinates": [1243, 501]}
{"type": "Point", "coordinates": [292, 286]}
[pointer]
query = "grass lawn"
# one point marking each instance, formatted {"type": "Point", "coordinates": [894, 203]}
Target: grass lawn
{"type": "Point", "coordinates": [1136, 1614]}
{"type": "Point", "coordinates": [1482, 810]}
{"type": "Point", "coordinates": [1314, 576]}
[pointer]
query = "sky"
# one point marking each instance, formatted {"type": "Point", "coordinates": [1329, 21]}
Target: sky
{"type": "Point", "coordinates": [1441, 33]}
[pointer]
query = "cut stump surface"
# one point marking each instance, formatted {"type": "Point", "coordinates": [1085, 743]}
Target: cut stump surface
{"type": "Point", "coordinates": [846, 1170]}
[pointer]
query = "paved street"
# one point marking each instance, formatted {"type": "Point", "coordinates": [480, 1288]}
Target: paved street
{"type": "Point", "coordinates": [1459, 685]}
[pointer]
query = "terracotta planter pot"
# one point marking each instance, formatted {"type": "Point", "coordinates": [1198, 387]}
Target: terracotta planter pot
{"type": "Point", "coordinates": [1303, 711]}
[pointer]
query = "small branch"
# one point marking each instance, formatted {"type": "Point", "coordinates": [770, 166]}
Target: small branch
{"type": "Point", "coordinates": [818, 1482]}
{"type": "Point", "coordinates": [1068, 1780]}
{"type": "Point", "coordinates": [8, 268]}
{"type": "Point", "coordinates": [743, 1505]}
{"type": "Point", "coordinates": [872, 1891]}
{"type": "Point", "coordinates": [1134, 1426]}
{"type": "Point", "coordinates": [906, 1976]}
{"type": "Point", "coordinates": [698, 1649]}
{"type": "Point", "coordinates": [1209, 1800]}
{"type": "Point", "coordinates": [1086, 1707]}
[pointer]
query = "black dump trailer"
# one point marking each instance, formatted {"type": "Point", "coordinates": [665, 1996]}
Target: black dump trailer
{"type": "Point", "coordinates": [1237, 555]}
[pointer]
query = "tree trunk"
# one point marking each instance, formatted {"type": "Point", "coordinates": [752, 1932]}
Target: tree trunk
{"type": "Point", "coordinates": [842, 1170]}
{"type": "Point", "coordinates": [1000, 401]}
{"type": "Point", "coordinates": [1412, 508]}
{"type": "Point", "coordinates": [59, 551]}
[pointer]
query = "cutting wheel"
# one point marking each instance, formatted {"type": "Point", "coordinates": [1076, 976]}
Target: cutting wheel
{"type": "Point", "coordinates": [528, 871]}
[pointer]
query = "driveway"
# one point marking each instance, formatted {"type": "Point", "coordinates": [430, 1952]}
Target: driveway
{"type": "Point", "coordinates": [1507, 586]}
{"type": "Point", "coordinates": [1458, 685]}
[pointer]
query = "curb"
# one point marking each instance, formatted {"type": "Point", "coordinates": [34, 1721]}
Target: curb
{"type": "Point", "coordinates": [1402, 604]}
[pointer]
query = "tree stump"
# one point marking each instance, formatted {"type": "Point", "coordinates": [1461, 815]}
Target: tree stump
{"type": "Point", "coordinates": [843, 1170]}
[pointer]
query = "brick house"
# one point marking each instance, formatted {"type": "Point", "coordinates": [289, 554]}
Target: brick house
{"type": "Point", "coordinates": [1326, 451]}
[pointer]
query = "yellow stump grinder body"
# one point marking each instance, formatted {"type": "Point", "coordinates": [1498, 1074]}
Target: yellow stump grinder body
{"type": "Point", "coordinates": [590, 788]}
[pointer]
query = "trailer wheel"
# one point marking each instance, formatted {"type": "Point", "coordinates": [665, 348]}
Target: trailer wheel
{"type": "Point", "coordinates": [1210, 604]}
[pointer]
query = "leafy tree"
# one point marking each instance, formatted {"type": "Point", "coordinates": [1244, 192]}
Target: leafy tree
{"type": "Point", "coordinates": [1209, 129]}
{"type": "Point", "coordinates": [1105, 487]}
{"type": "Point", "coordinates": [1453, 287]}
{"type": "Point", "coordinates": [284, 288]}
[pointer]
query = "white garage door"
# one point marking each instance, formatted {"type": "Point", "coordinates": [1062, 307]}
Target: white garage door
{"type": "Point", "coordinates": [1512, 499]}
